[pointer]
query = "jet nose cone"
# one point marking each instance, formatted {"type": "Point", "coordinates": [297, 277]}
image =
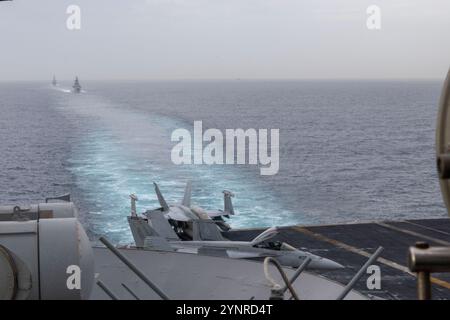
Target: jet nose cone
{"type": "Point", "coordinates": [324, 264]}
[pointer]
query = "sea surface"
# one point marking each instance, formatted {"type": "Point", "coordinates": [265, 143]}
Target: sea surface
{"type": "Point", "coordinates": [349, 150]}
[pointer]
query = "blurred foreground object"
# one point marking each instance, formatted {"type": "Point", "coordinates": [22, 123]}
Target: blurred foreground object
{"type": "Point", "coordinates": [43, 249]}
{"type": "Point", "coordinates": [422, 258]}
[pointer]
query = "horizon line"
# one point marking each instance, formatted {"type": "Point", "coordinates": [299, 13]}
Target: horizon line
{"type": "Point", "coordinates": [234, 79]}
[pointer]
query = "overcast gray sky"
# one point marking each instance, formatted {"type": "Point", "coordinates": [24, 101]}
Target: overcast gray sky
{"type": "Point", "coordinates": [194, 39]}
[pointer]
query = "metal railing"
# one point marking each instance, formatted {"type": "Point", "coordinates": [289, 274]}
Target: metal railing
{"type": "Point", "coordinates": [133, 268]}
{"type": "Point", "coordinates": [359, 274]}
{"type": "Point", "coordinates": [425, 260]}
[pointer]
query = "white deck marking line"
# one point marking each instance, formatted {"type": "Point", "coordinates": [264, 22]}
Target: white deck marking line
{"type": "Point", "coordinates": [413, 233]}
{"type": "Point", "coordinates": [426, 227]}
{"type": "Point", "coordinates": [366, 254]}
{"type": "Point", "coordinates": [350, 248]}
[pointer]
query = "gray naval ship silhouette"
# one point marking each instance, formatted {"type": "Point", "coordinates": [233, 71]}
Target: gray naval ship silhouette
{"type": "Point", "coordinates": [182, 251]}
{"type": "Point", "coordinates": [76, 87]}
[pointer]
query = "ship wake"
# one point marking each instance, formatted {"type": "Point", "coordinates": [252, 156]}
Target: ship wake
{"type": "Point", "coordinates": [122, 150]}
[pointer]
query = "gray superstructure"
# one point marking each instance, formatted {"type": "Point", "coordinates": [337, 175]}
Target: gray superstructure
{"type": "Point", "coordinates": [76, 86]}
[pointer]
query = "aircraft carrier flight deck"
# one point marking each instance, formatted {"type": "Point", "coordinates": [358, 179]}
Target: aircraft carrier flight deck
{"type": "Point", "coordinates": [352, 244]}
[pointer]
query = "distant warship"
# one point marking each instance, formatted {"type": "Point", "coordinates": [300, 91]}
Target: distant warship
{"type": "Point", "coordinates": [54, 82]}
{"type": "Point", "coordinates": [76, 86]}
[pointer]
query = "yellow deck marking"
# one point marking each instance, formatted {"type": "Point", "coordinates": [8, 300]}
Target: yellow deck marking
{"type": "Point", "coordinates": [366, 254]}
{"type": "Point", "coordinates": [440, 282]}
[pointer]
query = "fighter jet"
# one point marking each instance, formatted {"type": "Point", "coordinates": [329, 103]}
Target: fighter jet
{"type": "Point", "coordinates": [154, 232]}
{"type": "Point", "coordinates": [181, 216]}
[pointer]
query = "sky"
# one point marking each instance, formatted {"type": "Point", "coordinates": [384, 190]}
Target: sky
{"type": "Point", "coordinates": [224, 39]}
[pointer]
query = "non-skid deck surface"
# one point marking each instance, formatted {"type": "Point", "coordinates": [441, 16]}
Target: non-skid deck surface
{"type": "Point", "coordinates": [352, 244]}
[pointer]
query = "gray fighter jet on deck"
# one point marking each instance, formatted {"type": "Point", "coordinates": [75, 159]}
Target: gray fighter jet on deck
{"type": "Point", "coordinates": [181, 216]}
{"type": "Point", "coordinates": [161, 230]}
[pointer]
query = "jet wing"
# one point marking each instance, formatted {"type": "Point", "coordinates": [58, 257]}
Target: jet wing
{"type": "Point", "coordinates": [216, 213]}
{"type": "Point", "coordinates": [161, 225]}
{"type": "Point", "coordinates": [140, 229]}
{"type": "Point", "coordinates": [215, 252]}
{"type": "Point", "coordinates": [180, 214]}
{"type": "Point", "coordinates": [206, 230]}
{"type": "Point", "coordinates": [237, 254]}
{"type": "Point", "coordinates": [157, 243]}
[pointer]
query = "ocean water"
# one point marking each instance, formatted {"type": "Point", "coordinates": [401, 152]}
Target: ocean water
{"type": "Point", "coordinates": [349, 151]}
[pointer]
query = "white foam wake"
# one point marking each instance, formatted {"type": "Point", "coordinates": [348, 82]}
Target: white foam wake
{"type": "Point", "coordinates": [122, 151]}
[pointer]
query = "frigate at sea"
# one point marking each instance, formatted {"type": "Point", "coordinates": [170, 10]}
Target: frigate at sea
{"type": "Point", "coordinates": [54, 82]}
{"type": "Point", "coordinates": [186, 252]}
{"type": "Point", "coordinates": [76, 86]}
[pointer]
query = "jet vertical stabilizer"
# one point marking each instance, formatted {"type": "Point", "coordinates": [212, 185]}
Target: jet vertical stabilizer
{"type": "Point", "coordinates": [161, 199]}
{"type": "Point", "coordinates": [187, 195]}
{"type": "Point", "coordinates": [228, 205]}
